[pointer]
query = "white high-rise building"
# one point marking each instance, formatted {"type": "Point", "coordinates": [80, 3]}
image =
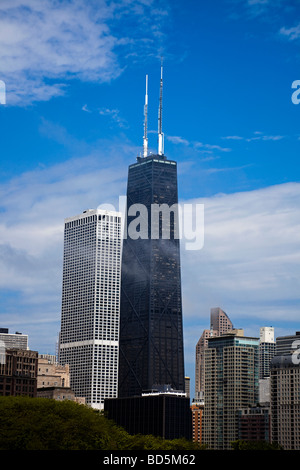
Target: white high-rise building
{"type": "Point", "coordinates": [266, 350]}
{"type": "Point", "coordinates": [13, 340]}
{"type": "Point", "coordinates": [89, 336]}
{"type": "Point", "coordinates": [266, 334]}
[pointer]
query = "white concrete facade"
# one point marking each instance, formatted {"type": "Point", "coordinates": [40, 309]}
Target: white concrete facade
{"type": "Point", "coordinates": [89, 337]}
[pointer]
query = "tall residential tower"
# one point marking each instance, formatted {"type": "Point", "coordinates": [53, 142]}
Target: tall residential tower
{"type": "Point", "coordinates": [266, 351]}
{"type": "Point", "coordinates": [219, 324]}
{"type": "Point", "coordinates": [231, 383]}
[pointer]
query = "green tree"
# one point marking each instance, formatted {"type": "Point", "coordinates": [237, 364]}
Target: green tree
{"type": "Point", "coordinates": [254, 445]}
{"type": "Point", "coordinates": [44, 424]}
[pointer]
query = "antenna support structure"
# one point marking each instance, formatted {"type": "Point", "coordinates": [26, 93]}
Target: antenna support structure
{"type": "Point", "coordinates": [145, 147]}
{"type": "Point", "coordinates": [160, 133]}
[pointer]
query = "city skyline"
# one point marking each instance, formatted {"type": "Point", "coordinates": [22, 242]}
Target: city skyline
{"type": "Point", "coordinates": [73, 121]}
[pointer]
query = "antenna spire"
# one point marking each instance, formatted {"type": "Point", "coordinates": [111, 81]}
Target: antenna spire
{"type": "Point", "coordinates": [160, 133]}
{"type": "Point", "coordinates": [146, 120]}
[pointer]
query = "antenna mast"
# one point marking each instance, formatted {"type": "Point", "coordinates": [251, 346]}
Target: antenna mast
{"type": "Point", "coordinates": [160, 133]}
{"type": "Point", "coordinates": [146, 120]}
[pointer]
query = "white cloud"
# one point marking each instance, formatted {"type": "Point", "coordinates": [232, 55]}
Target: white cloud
{"type": "Point", "coordinates": [85, 108]}
{"type": "Point", "coordinates": [175, 139]}
{"type": "Point", "coordinates": [292, 33]}
{"type": "Point", "coordinates": [251, 256]}
{"type": "Point", "coordinates": [211, 147]}
{"type": "Point", "coordinates": [257, 136]}
{"type": "Point", "coordinates": [114, 114]}
{"type": "Point", "coordinates": [270, 137]}
{"type": "Point", "coordinates": [210, 171]}
{"type": "Point", "coordinates": [45, 44]}
{"type": "Point", "coordinates": [233, 137]}
{"type": "Point", "coordinates": [49, 40]}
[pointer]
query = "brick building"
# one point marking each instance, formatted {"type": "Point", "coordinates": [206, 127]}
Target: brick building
{"type": "Point", "coordinates": [18, 372]}
{"type": "Point", "coordinates": [197, 420]}
{"type": "Point", "coordinates": [254, 424]}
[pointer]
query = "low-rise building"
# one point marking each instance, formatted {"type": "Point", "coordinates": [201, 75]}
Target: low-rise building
{"type": "Point", "coordinates": [59, 394]}
{"type": "Point", "coordinates": [53, 380]}
{"type": "Point", "coordinates": [52, 374]}
{"type": "Point", "coordinates": [254, 424]}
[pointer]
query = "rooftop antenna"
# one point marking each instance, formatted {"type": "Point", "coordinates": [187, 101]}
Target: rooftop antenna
{"type": "Point", "coordinates": [146, 120]}
{"type": "Point", "coordinates": [160, 134]}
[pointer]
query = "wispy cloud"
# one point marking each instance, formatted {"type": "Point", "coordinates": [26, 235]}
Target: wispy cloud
{"type": "Point", "coordinates": [114, 115]}
{"type": "Point", "coordinates": [86, 109]}
{"type": "Point", "coordinates": [201, 145]}
{"type": "Point", "coordinates": [291, 33]}
{"type": "Point", "coordinates": [176, 139]}
{"type": "Point", "coordinates": [251, 256]}
{"type": "Point", "coordinates": [210, 171]}
{"type": "Point", "coordinates": [59, 134]}
{"type": "Point", "coordinates": [233, 137]}
{"type": "Point", "coordinates": [256, 137]}
{"type": "Point", "coordinates": [265, 10]}
{"type": "Point", "coordinates": [196, 145]}
{"type": "Point", "coordinates": [43, 45]}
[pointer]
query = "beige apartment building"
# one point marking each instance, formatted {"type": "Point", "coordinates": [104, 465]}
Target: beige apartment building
{"type": "Point", "coordinates": [219, 324]}
{"type": "Point", "coordinates": [53, 380]}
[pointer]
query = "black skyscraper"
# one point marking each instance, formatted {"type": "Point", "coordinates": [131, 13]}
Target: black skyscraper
{"type": "Point", "coordinates": [151, 337]}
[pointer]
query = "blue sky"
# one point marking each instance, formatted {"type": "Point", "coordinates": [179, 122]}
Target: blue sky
{"type": "Point", "coordinates": [73, 121]}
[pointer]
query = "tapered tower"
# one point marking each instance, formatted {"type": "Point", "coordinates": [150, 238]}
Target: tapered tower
{"type": "Point", "coordinates": [151, 336]}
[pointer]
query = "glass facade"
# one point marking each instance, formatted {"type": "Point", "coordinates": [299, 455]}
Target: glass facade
{"type": "Point", "coordinates": [231, 383]}
{"type": "Point", "coordinates": [167, 416]}
{"type": "Point", "coordinates": [151, 337]}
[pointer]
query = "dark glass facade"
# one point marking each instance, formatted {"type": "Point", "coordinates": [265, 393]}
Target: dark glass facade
{"type": "Point", "coordinates": [151, 337]}
{"type": "Point", "coordinates": [165, 416]}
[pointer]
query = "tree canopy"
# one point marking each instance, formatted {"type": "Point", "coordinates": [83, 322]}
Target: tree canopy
{"type": "Point", "coordinates": [45, 424]}
{"type": "Point", "coordinates": [254, 445]}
